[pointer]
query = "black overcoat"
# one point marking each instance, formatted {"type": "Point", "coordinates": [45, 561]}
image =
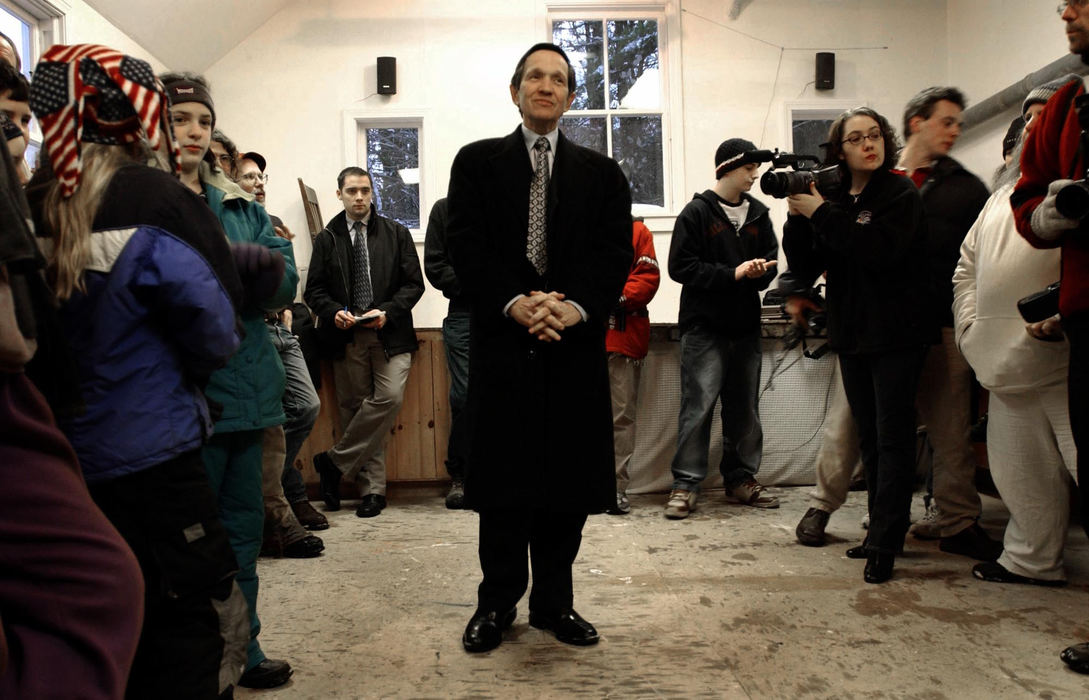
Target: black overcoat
{"type": "Point", "coordinates": [539, 413]}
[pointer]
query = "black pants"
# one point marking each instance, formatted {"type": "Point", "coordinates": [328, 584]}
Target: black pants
{"type": "Point", "coordinates": [552, 539]}
{"type": "Point", "coordinates": [881, 388]}
{"type": "Point", "coordinates": [169, 516]}
{"type": "Point", "coordinates": [1077, 332]}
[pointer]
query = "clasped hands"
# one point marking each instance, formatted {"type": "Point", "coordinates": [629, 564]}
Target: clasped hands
{"type": "Point", "coordinates": [544, 314]}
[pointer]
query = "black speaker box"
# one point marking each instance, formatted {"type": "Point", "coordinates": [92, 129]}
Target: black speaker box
{"type": "Point", "coordinates": [826, 70]}
{"type": "Point", "coordinates": [387, 75]}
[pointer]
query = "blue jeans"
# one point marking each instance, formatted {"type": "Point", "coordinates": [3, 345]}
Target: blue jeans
{"type": "Point", "coordinates": [301, 407]}
{"type": "Point", "coordinates": [714, 368]}
{"type": "Point", "coordinates": [455, 335]}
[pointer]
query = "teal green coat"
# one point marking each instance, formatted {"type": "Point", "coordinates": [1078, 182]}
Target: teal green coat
{"type": "Point", "coordinates": [251, 386]}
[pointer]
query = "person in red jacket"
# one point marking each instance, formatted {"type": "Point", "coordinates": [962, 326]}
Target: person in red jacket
{"type": "Point", "coordinates": [1052, 159]}
{"type": "Point", "coordinates": [627, 342]}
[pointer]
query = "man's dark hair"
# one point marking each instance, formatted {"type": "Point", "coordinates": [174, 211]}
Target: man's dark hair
{"type": "Point", "coordinates": [228, 145]}
{"type": "Point", "coordinates": [922, 105]}
{"type": "Point", "coordinates": [351, 171]}
{"type": "Point", "coordinates": [834, 148]}
{"type": "Point", "coordinates": [11, 79]}
{"type": "Point", "coordinates": [516, 79]}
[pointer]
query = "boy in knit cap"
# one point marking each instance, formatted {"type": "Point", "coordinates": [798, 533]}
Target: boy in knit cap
{"type": "Point", "coordinates": [724, 253]}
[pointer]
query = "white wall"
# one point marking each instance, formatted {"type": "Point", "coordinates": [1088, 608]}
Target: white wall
{"type": "Point", "coordinates": [993, 44]}
{"type": "Point", "coordinates": [84, 25]}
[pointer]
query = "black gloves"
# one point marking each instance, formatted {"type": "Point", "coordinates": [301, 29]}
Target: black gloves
{"type": "Point", "coordinates": [260, 270]}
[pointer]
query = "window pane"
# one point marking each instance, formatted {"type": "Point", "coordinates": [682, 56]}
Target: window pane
{"type": "Point", "coordinates": [808, 134]}
{"type": "Point", "coordinates": [583, 42]}
{"type": "Point", "coordinates": [637, 147]}
{"type": "Point", "coordinates": [393, 160]}
{"type": "Point", "coordinates": [633, 64]}
{"type": "Point", "coordinates": [586, 131]}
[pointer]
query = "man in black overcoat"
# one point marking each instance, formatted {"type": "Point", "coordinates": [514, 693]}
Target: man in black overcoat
{"type": "Point", "coordinates": [542, 248]}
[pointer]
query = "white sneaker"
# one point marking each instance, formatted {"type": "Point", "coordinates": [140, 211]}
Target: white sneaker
{"type": "Point", "coordinates": [680, 504]}
{"type": "Point", "coordinates": [927, 527]}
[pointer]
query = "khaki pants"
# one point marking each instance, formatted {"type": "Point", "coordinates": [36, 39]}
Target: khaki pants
{"type": "Point", "coordinates": [838, 459]}
{"type": "Point", "coordinates": [370, 388]}
{"type": "Point", "coordinates": [624, 375]}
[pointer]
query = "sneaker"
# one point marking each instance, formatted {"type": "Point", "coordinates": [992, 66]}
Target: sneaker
{"type": "Point", "coordinates": [622, 506]}
{"type": "Point", "coordinates": [751, 493]}
{"type": "Point", "coordinates": [810, 530]}
{"type": "Point", "coordinates": [927, 528]}
{"type": "Point", "coordinates": [680, 504]}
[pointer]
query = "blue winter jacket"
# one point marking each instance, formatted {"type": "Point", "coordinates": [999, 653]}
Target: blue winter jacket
{"type": "Point", "coordinates": [153, 323]}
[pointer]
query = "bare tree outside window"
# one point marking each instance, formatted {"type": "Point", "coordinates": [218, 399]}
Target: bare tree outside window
{"type": "Point", "coordinates": [618, 96]}
{"type": "Point", "coordinates": [393, 161]}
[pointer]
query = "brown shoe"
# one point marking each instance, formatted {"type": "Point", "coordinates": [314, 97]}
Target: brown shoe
{"type": "Point", "coordinates": [680, 504]}
{"type": "Point", "coordinates": [308, 517]}
{"type": "Point", "coordinates": [751, 493]}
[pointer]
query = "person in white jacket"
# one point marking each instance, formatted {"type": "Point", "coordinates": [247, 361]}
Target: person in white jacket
{"type": "Point", "coordinates": [1029, 443]}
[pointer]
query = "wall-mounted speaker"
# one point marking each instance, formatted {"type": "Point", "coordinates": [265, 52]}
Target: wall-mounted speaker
{"type": "Point", "coordinates": [387, 75]}
{"type": "Point", "coordinates": [826, 70]}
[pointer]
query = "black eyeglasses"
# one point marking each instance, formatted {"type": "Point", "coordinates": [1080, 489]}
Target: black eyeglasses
{"type": "Point", "coordinates": [856, 138]}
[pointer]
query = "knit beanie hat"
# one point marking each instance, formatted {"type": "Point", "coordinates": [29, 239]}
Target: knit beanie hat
{"type": "Point", "coordinates": [1042, 93]}
{"type": "Point", "coordinates": [732, 154]}
{"type": "Point", "coordinates": [180, 90]}
{"type": "Point", "coordinates": [1009, 141]}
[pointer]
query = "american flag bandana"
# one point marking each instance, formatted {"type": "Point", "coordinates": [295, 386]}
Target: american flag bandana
{"type": "Point", "coordinates": [94, 94]}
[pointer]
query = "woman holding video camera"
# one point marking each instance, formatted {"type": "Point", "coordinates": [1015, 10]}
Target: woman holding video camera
{"type": "Point", "coordinates": [867, 238]}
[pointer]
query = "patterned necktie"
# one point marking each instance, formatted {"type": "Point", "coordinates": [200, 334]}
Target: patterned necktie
{"type": "Point", "coordinates": [362, 295]}
{"type": "Point", "coordinates": [537, 240]}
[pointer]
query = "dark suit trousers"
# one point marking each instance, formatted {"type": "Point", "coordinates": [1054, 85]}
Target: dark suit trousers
{"type": "Point", "coordinates": [552, 539]}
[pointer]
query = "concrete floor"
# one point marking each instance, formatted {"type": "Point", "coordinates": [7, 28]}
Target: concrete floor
{"type": "Point", "coordinates": [724, 604]}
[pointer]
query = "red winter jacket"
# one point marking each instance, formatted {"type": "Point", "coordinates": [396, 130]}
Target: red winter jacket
{"type": "Point", "coordinates": [629, 332]}
{"type": "Point", "coordinates": [1051, 153]}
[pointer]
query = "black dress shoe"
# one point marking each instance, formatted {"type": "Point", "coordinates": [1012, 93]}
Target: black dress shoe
{"type": "Point", "coordinates": [330, 480]}
{"type": "Point", "coordinates": [973, 541]}
{"type": "Point", "coordinates": [455, 497]}
{"type": "Point", "coordinates": [1076, 657]}
{"type": "Point", "coordinates": [371, 505]}
{"type": "Point", "coordinates": [485, 630]}
{"type": "Point", "coordinates": [270, 673]}
{"type": "Point", "coordinates": [857, 552]}
{"type": "Point", "coordinates": [308, 517]}
{"type": "Point", "coordinates": [306, 548]}
{"type": "Point", "coordinates": [810, 530]}
{"type": "Point", "coordinates": [568, 627]}
{"type": "Point", "coordinates": [878, 567]}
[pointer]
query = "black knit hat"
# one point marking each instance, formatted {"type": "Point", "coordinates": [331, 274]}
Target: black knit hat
{"type": "Point", "coordinates": [180, 90]}
{"type": "Point", "coordinates": [1009, 141]}
{"type": "Point", "coordinates": [731, 154]}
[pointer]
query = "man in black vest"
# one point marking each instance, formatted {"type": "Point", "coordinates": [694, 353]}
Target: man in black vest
{"type": "Point", "coordinates": [364, 280]}
{"type": "Point", "coordinates": [540, 236]}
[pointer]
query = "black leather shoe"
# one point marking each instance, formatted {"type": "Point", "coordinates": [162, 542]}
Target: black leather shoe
{"type": "Point", "coordinates": [857, 552]}
{"type": "Point", "coordinates": [973, 541]}
{"type": "Point", "coordinates": [330, 480]}
{"type": "Point", "coordinates": [568, 627]}
{"type": "Point", "coordinates": [455, 497]}
{"type": "Point", "coordinates": [810, 530]}
{"type": "Point", "coordinates": [878, 567]}
{"type": "Point", "coordinates": [308, 517]}
{"type": "Point", "coordinates": [270, 673]}
{"type": "Point", "coordinates": [306, 548]}
{"type": "Point", "coordinates": [485, 630]}
{"type": "Point", "coordinates": [371, 505]}
{"type": "Point", "coordinates": [1076, 657]}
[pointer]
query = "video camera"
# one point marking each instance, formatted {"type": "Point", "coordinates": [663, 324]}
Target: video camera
{"type": "Point", "coordinates": [803, 170]}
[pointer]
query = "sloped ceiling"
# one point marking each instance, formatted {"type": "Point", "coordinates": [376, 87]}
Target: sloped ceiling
{"type": "Point", "coordinates": [188, 34]}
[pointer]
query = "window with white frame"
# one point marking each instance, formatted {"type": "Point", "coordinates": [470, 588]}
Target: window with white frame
{"type": "Point", "coordinates": [620, 98]}
{"type": "Point", "coordinates": [390, 152]}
